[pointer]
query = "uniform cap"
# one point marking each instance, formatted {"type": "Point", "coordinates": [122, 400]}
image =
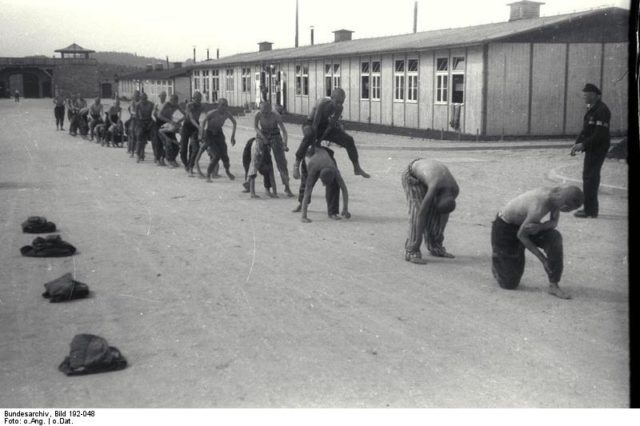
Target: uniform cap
{"type": "Point", "coordinates": [591, 88]}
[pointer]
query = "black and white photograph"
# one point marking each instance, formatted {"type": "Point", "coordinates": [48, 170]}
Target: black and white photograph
{"type": "Point", "coordinates": [466, 246]}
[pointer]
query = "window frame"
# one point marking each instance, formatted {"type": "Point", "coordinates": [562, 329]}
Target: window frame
{"type": "Point", "coordinates": [442, 81]}
{"type": "Point", "coordinates": [457, 72]}
{"type": "Point", "coordinates": [376, 81]}
{"type": "Point", "coordinates": [412, 90]}
{"type": "Point", "coordinates": [399, 80]}
{"type": "Point", "coordinates": [229, 80]}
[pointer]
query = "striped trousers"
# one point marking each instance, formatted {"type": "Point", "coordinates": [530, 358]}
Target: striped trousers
{"type": "Point", "coordinates": [433, 230]}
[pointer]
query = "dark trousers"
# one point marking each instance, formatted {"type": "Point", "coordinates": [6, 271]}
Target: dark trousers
{"type": "Point", "coordinates": [158, 145]}
{"type": "Point", "coordinates": [94, 122]}
{"type": "Point", "coordinates": [132, 130]}
{"type": "Point", "coordinates": [336, 136]}
{"type": "Point", "coordinates": [188, 149]}
{"type": "Point", "coordinates": [593, 162]}
{"type": "Point", "coordinates": [217, 149]}
{"type": "Point", "coordinates": [264, 169]}
{"type": "Point", "coordinates": [332, 191]}
{"type": "Point", "coordinates": [508, 253]}
{"type": "Point", "coordinates": [58, 111]}
{"type": "Point", "coordinates": [171, 148]}
{"type": "Point", "coordinates": [145, 130]}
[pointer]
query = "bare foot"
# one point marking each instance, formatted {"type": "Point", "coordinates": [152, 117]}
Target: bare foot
{"type": "Point", "coordinates": [415, 258]}
{"type": "Point", "coordinates": [358, 171]}
{"type": "Point", "coordinates": [298, 209]}
{"type": "Point", "coordinates": [288, 192]}
{"type": "Point", "coordinates": [229, 175]}
{"type": "Point", "coordinates": [209, 179]}
{"type": "Point", "coordinates": [305, 220]}
{"type": "Point", "coordinates": [554, 290]}
{"type": "Point", "coordinates": [254, 196]}
{"type": "Point", "coordinates": [334, 217]}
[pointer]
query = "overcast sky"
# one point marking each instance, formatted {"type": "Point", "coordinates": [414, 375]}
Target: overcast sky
{"type": "Point", "coordinates": [171, 28]}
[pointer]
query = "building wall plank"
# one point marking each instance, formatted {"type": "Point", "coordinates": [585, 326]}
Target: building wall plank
{"type": "Point", "coordinates": [584, 67]}
{"type": "Point", "coordinates": [426, 96]}
{"type": "Point", "coordinates": [615, 84]}
{"type": "Point", "coordinates": [473, 95]}
{"type": "Point", "coordinates": [386, 90]}
{"type": "Point", "coordinates": [547, 97]}
{"type": "Point", "coordinates": [508, 90]}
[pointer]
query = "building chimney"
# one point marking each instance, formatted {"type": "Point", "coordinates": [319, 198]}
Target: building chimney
{"type": "Point", "coordinates": [524, 9]}
{"type": "Point", "coordinates": [167, 62]}
{"type": "Point", "coordinates": [177, 65]}
{"type": "Point", "coordinates": [264, 46]}
{"type": "Point", "coordinates": [217, 53]}
{"type": "Point", "coordinates": [312, 35]}
{"type": "Point", "coordinates": [159, 67]}
{"type": "Point", "coordinates": [149, 67]}
{"type": "Point", "coordinates": [342, 35]}
{"type": "Point", "coordinates": [415, 17]}
{"type": "Point", "coordinates": [207, 53]}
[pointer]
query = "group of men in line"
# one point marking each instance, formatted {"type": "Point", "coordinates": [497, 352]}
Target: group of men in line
{"type": "Point", "coordinates": [430, 188]}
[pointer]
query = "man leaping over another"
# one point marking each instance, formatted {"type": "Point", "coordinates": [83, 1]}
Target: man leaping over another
{"type": "Point", "coordinates": [322, 124]}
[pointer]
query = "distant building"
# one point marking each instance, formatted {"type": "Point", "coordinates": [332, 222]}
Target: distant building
{"type": "Point", "coordinates": [156, 79]}
{"type": "Point", "coordinates": [36, 77]}
{"type": "Point", "coordinates": [518, 78]}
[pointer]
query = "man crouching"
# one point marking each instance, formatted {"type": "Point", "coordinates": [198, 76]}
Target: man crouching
{"type": "Point", "coordinates": [518, 226]}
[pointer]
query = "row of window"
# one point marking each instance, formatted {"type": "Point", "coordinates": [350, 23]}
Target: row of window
{"type": "Point", "coordinates": [405, 80]}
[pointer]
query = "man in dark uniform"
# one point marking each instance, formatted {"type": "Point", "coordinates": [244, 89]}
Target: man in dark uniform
{"type": "Point", "coordinates": [594, 141]}
{"type": "Point", "coordinates": [323, 124]}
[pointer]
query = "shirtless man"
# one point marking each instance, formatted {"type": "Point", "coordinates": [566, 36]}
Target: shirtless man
{"type": "Point", "coordinates": [145, 125]}
{"type": "Point", "coordinates": [190, 129]}
{"type": "Point", "coordinates": [168, 127]}
{"type": "Point", "coordinates": [70, 100]}
{"type": "Point", "coordinates": [95, 116]}
{"type": "Point", "coordinates": [58, 111]}
{"type": "Point", "coordinates": [321, 165]}
{"type": "Point", "coordinates": [215, 142]}
{"type": "Point", "coordinates": [131, 130]}
{"type": "Point", "coordinates": [259, 161]}
{"type": "Point", "coordinates": [268, 124]}
{"type": "Point", "coordinates": [265, 168]}
{"type": "Point", "coordinates": [431, 193]}
{"type": "Point", "coordinates": [322, 124]}
{"type": "Point", "coordinates": [157, 143]}
{"type": "Point", "coordinates": [519, 225]}
{"type": "Point", "coordinates": [114, 124]}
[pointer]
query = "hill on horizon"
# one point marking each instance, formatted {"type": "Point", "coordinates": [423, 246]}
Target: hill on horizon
{"type": "Point", "coordinates": [125, 59]}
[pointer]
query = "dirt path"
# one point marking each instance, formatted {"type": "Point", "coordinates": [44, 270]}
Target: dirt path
{"type": "Point", "coordinates": [221, 301]}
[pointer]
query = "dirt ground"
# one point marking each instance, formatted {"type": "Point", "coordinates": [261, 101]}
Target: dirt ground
{"type": "Point", "coordinates": [217, 300]}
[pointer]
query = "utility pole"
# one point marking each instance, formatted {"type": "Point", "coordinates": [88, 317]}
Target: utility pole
{"type": "Point", "coordinates": [296, 23]}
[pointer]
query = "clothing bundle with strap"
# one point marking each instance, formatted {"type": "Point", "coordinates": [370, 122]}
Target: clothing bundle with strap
{"type": "Point", "coordinates": [91, 354]}
{"type": "Point", "coordinates": [38, 225]}
{"type": "Point", "coordinates": [65, 288]}
{"type": "Point", "coordinates": [50, 246]}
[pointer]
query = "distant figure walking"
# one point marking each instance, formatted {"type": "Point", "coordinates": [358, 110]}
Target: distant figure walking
{"type": "Point", "coordinates": [58, 111]}
{"type": "Point", "coordinates": [16, 96]}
